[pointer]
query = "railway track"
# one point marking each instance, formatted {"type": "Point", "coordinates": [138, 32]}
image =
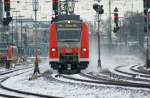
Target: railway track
{"type": "Point", "coordinates": [110, 78]}
{"type": "Point", "coordinates": [101, 80]}
{"type": "Point", "coordinates": [98, 79]}
{"type": "Point", "coordinates": [132, 75]}
{"type": "Point", "coordinates": [17, 93]}
{"type": "Point", "coordinates": [140, 69]}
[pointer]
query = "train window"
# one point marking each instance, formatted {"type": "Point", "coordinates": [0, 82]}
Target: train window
{"type": "Point", "coordinates": [15, 51]}
{"type": "Point", "coordinates": [3, 50]}
{"type": "Point", "coordinates": [71, 30]}
{"type": "Point", "coordinates": [71, 35]}
{"type": "Point", "coordinates": [3, 45]}
{"type": "Point", "coordinates": [69, 44]}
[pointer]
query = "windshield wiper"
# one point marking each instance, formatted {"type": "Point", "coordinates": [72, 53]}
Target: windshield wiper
{"type": "Point", "coordinates": [69, 40]}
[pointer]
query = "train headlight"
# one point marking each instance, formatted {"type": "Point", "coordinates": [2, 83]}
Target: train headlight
{"type": "Point", "coordinates": [84, 49]}
{"type": "Point", "coordinates": [69, 21]}
{"type": "Point", "coordinates": [53, 49]}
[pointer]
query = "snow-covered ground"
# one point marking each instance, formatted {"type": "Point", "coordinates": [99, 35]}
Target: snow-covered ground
{"type": "Point", "coordinates": [109, 60]}
{"type": "Point", "coordinates": [73, 90]}
{"type": "Point", "coordinates": [52, 87]}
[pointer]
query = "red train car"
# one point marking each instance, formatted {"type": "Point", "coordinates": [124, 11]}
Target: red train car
{"type": "Point", "coordinates": [69, 44]}
{"type": "Point", "coordinates": [8, 54]}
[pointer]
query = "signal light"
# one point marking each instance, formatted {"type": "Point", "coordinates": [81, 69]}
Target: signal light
{"type": "Point", "coordinates": [6, 21]}
{"type": "Point", "coordinates": [98, 8]}
{"type": "Point", "coordinates": [146, 3]}
{"type": "Point", "coordinates": [116, 29]}
{"type": "Point", "coordinates": [145, 14]}
{"type": "Point", "coordinates": [55, 5]}
{"type": "Point", "coordinates": [7, 5]}
{"type": "Point", "coordinates": [116, 16]}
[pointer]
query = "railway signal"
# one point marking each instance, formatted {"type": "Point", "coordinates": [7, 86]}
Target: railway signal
{"type": "Point", "coordinates": [116, 29]}
{"type": "Point", "coordinates": [146, 3]}
{"type": "Point", "coordinates": [55, 6]}
{"type": "Point", "coordinates": [116, 16]}
{"type": "Point", "coordinates": [116, 20]}
{"type": "Point", "coordinates": [99, 10]}
{"type": "Point", "coordinates": [7, 5]}
{"type": "Point", "coordinates": [145, 19]}
{"type": "Point", "coordinates": [7, 20]}
{"type": "Point", "coordinates": [145, 15]}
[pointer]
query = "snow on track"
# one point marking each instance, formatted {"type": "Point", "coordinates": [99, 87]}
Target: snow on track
{"type": "Point", "coordinates": [72, 90]}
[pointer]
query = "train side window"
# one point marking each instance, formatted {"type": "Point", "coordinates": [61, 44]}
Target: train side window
{"type": "Point", "coordinates": [15, 51]}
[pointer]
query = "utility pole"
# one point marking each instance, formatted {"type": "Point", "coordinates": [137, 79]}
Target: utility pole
{"type": "Point", "coordinates": [1, 11]}
{"type": "Point", "coordinates": [98, 34]}
{"type": "Point", "coordinates": [120, 38]}
{"type": "Point", "coordinates": [16, 25]}
{"type": "Point", "coordinates": [146, 29]}
{"type": "Point", "coordinates": [35, 9]}
{"type": "Point", "coordinates": [12, 29]}
{"type": "Point", "coordinates": [21, 32]}
{"type": "Point", "coordinates": [110, 28]}
{"type": "Point", "coordinates": [147, 54]}
{"type": "Point", "coordinates": [21, 29]}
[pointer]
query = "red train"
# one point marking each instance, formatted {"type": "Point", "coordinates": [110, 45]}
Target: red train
{"type": "Point", "coordinates": [69, 44]}
{"type": "Point", "coordinates": [8, 54]}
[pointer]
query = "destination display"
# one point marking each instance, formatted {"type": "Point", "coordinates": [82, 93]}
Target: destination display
{"type": "Point", "coordinates": [66, 25]}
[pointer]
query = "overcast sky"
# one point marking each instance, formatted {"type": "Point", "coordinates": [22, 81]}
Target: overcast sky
{"type": "Point", "coordinates": [83, 8]}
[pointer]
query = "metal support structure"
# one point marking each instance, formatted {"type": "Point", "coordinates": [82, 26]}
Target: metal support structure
{"type": "Point", "coordinates": [147, 40]}
{"type": "Point", "coordinates": [16, 25]}
{"type": "Point", "coordinates": [16, 31]}
{"type": "Point", "coordinates": [1, 11]}
{"type": "Point", "coordinates": [21, 22]}
{"type": "Point", "coordinates": [12, 29]}
{"type": "Point", "coordinates": [110, 28]}
{"type": "Point", "coordinates": [99, 10]}
{"type": "Point", "coordinates": [35, 9]}
{"type": "Point", "coordinates": [66, 7]}
{"type": "Point", "coordinates": [120, 37]}
{"type": "Point", "coordinates": [21, 32]}
{"type": "Point", "coordinates": [138, 34]}
{"type": "Point", "coordinates": [98, 35]}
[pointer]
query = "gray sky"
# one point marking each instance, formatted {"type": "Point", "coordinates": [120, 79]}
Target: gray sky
{"type": "Point", "coordinates": [83, 8]}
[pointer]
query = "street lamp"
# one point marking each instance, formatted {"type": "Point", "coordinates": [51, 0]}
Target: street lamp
{"type": "Point", "coordinates": [99, 10]}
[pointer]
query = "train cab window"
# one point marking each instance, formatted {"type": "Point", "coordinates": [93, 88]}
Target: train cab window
{"type": "Point", "coordinates": [69, 34]}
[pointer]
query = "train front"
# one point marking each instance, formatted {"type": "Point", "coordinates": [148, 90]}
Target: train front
{"type": "Point", "coordinates": [69, 45]}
